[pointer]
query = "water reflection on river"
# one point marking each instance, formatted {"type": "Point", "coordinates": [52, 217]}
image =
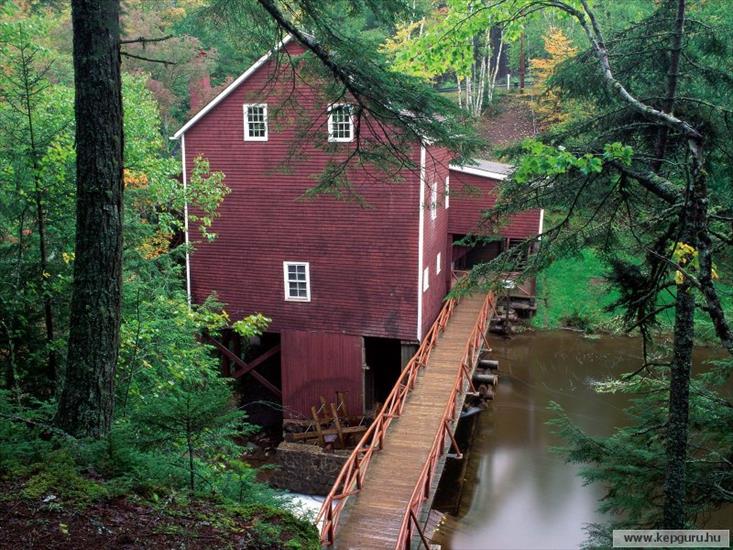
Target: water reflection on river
{"type": "Point", "coordinates": [518, 494]}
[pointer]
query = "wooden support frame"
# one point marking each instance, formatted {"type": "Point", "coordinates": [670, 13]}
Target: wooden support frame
{"type": "Point", "coordinates": [245, 368]}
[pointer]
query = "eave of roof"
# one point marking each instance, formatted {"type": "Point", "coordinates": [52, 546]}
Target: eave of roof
{"type": "Point", "coordinates": [485, 169]}
{"type": "Point", "coordinates": [233, 86]}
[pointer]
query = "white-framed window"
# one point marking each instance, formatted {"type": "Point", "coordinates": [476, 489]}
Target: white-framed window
{"type": "Point", "coordinates": [296, 276]}
{"type": "Point", "coordinates": [438, 264]}
{"type": "Point", "coordinates": [341, 122]}
{"type": "Point", "coordinates": [425, 279]}
{"type": "Point", "coordinates": [447, 192]}
{"type": "Point", "coordinates": [434, 201]}
{"type": "Point", "coordinates": [255, 122]}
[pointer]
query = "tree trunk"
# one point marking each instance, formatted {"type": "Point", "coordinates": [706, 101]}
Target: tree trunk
{"type": "Point", "coordinates": [675, 483]}
{"type": "Point", "coordinates": [86, 403]}
{"type": "Point", "coordinates": [679, 394]}
{"type": "Point", "coordinates": [522, 63]}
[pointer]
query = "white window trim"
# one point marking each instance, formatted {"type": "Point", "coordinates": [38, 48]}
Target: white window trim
{"type": "Point", "coordinates": [286, 286]}
{"type": "Point", "coordinates": [247, 137]}
{"type": "Point", "coordinates": [434, 201]}
{"type": "Point", "coordinates": [438, 263]}
{"type": "Point", "coordinates": [331, 137]}
{"type": "Point", "coordinates": [425, 279]}
{"type": "Point", "coordinates": [447, 192]}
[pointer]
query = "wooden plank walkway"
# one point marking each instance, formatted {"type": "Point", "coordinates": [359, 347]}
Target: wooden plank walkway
{"type": "Point", "coordinates": [373, 519]}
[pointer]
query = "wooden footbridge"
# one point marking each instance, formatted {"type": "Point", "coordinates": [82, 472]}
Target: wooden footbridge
{"type": "Point", "coordinates": [378, 498]}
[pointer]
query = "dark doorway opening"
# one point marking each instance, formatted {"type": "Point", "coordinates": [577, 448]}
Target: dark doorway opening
{"type": "Point", "coordinates": [467, 252]}
{"type": "Point", "coordinates": [382, 364]}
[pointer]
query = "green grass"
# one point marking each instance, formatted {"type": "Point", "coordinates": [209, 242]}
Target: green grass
{"type": "Point", "coordinates": [572, 292]}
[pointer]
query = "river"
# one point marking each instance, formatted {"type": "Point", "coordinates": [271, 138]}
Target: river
{"type": "Point", "coordinates": [517, 492]}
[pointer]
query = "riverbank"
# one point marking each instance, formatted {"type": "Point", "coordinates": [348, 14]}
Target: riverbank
{"type": "Point", "coordinates": [574, 293]}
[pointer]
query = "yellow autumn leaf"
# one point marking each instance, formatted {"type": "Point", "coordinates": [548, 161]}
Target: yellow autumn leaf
{"type": "Point", "coordinates": [679, 277]}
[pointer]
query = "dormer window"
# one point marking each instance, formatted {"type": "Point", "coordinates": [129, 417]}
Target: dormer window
{"type": "Point", "coordinates": [255, 122]}
{"type": "Point", "coordinates": [340, 122]}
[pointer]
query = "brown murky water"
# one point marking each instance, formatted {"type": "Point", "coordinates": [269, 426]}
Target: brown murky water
{"type": "Point", "coordinates": [518, 494]}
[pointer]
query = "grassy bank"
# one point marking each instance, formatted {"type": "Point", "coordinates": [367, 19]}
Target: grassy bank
{"type": "Point", "coordinates": [573, 292]}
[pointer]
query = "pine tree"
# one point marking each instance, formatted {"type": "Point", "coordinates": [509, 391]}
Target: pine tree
{"type": "Point", "coordinates": [87, 397]}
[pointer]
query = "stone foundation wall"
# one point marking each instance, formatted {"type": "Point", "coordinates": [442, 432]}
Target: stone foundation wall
{"type": "Point", "coordinates": [306, 468]}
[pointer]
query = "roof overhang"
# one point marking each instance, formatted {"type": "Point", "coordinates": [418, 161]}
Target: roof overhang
{"type": "Point", "coordinates": [476, 171]}
{"type": "Point", "coordinates": [233, 86]}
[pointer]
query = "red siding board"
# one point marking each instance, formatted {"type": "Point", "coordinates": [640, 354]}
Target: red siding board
{"type": "Point", "coordinates": [470, 196]}
{"type": "Point", "coordinates": [363, 261]}
{"type": "Point", "coordinates": [316, 364]}
{"type": "Point", "coordinates": [435, 235]}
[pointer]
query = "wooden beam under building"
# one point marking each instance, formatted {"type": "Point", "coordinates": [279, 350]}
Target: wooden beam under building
{"type": "Point", "coordinates": [245, 367]}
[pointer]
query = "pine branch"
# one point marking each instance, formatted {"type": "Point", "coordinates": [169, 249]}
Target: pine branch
{"type": "Point", "coordinates": [140, 57]}
{"type": "Point", "coordinates": [142, 40]}
{"type": "Point", "coordinates": [661, 187]}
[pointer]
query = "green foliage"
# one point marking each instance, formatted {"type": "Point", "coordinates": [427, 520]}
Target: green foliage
{"type": "Point", "coordinates": [631, 461]}
{"type": "Point", "coordinates": [177, 430]}
{"type": "Point", "coordinates": [347, 33]}
{"type": "Point", "coordinates": [274, 528]}
{"type": "Point", "coordinates": [22, 433]}
{"type": "Point", "coordinates": [459, 39]}
{"type": "Point", "coordinates": [58, 480]}
{"type": "Point", "coordinates": [541, 160]}
{"type": "Point", "coordinates": [193, 419]}
{"type": "Point", "coordinates": [573, 292]}
{"type": "Point", "coordinates": [206, 191]}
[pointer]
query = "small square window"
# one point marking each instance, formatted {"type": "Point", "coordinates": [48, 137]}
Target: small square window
{"type": "Point", "coordinates": [255, 122]}
{"type": "Point", "coordinates": [297, 281]}
{"type": "Point", "coordinates": [340, 123]}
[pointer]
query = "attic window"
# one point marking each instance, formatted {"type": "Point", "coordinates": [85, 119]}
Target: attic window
{"type": "Point", "coordinates": [340, 122]}
{"type": "Point", "coordinates": [255, 122]}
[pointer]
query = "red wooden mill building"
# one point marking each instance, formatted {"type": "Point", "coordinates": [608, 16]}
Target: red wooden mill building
{"type": "Point", "coordinates": [350, 290]}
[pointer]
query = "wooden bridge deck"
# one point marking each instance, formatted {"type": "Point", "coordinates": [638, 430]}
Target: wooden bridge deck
{"type": "Point", "coordinates": [373, 519]}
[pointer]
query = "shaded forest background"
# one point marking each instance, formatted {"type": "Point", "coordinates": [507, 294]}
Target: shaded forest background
{"type": "Point", "coordinates": [638, 216]}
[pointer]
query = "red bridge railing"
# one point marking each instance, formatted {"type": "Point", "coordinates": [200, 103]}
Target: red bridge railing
{"type": "Point", "coordinates": [351, 476]}
{"type": "Point", "coordinates": [445, 432]}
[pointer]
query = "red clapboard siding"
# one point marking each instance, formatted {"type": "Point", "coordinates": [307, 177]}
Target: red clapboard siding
{"type": "Point", "coordinates": [363, 261]}
{"type": "Point", "coordinates": [437, 161]}
{"type": "Point", "coordinates": [316, 364]}
{"type": "Point", "coordinates": [470, 196]}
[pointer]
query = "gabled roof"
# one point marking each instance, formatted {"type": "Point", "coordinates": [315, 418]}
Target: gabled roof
{"type": "Point", "coordinates": [485, 169]}
{"type": "Point", "coordinates": [233, 86]}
